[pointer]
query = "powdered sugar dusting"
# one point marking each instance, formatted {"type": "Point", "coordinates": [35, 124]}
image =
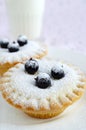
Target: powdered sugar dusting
{"type": "Point", "coordinates": [31, 49]}
{"type": "Point", "coordinates": [5, 40]}
{"type": "Point", "coordinates": [22, 38]}
{"type": "Point", "coordinates": [32, 63]}
{"type": "Point", "coordinates": [57, 69]}
{"type": "Point", "coordinates": [33, 96]}
{"type": "Point", "coordinates": [43, 75]}
{"type": "Point", "coordinates": [13, 44]}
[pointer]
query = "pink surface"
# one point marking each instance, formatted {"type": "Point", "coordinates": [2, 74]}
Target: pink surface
{"type": "Point", "coordinates": [64, 23]}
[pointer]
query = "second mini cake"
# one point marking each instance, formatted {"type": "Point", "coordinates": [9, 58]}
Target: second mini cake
{"type": "Point", "coordinates": [43, 88]}
{"type": "Point", "coordinates": [18, 51]}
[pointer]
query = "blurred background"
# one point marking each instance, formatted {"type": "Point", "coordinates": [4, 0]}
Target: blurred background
{"type": "Point", "coordinates": [63, 23]}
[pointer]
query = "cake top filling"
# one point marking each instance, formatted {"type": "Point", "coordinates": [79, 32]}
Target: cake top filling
{"type": "Point", "coordinates": [39, 81]}
{"type": "Point", "coordinates": [47, 77]}
{"type": "Point", "coordinates": [18, 50]}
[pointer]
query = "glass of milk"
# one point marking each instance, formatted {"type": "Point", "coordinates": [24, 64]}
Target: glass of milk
{"type": "Point", "coordinates": [25, 17]}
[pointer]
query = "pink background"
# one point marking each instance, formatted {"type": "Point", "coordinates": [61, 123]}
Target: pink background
{"type": "Point", "coordinates": [64, 23]}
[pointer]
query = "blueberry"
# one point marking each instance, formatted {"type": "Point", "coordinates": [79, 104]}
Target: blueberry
{"type": "Point", "coordinates": [22, 40]}
{"type": "Point", "coordinates": [31, 66]}
{"type": "Point", "coordinates": [43, 81]}
{"type": "Point", "coordinates": [4, 43]}
{"type": "Point", "coordinates": [13, 47]}
{"type": "Point", "coordinates": [57, 73]}
{"type": "Point", "coordinates": [0, 42]}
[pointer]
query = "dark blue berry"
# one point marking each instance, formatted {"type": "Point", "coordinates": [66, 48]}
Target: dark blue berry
{"type": "Point", "coordinates": [43, 81]}
{"type": "Point", "coordinates": [4, 43]}
{"type": "Point", "coordinates": [13, 47]}
{"type": "Point", "coordinates": [57, 73]}
{"type": "Point", "coordinates": [22, 40]}
{"type": "Point", "coordinates": [31, 66]}
{"type": "Point", "coordinates": [0, 42]}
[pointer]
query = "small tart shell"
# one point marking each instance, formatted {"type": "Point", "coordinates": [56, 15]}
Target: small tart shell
{"type": "Point", "coordinates": [5, 67]}
{"type": "Point", "coordinates": [55, 106]}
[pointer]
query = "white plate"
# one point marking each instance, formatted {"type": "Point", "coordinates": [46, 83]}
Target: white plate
{"type": "Point", "coordinates": [74, 117]}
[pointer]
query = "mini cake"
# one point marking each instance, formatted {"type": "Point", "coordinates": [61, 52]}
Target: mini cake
{"type": "Point", "coordinates": [43, 88]}
{"type": "Point", "coordinates": [18, 51]}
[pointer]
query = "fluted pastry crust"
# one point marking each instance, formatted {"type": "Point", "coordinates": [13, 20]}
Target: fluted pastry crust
{"type": "Point", "coordinates": [42, 103]}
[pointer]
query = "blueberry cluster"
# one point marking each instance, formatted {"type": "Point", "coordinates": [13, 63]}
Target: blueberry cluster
{"type": "Point", "coordinates": [43, 80]}
{"type": "Point", "coordinates": [14, 46]}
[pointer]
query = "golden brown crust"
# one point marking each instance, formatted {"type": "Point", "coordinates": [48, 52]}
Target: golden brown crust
{"type": "Point", "coordinates": [5, 67]}
{"type": "Point", "coordinates": [44, 113]}
{"type": "Point", "coordinates": [55, 108]}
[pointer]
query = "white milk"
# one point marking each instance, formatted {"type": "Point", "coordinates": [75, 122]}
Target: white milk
{"type": "Point", "coordinates": [25, 17]}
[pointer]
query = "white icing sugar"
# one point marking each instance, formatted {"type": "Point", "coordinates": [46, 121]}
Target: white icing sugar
{"type": "Point", "coordinates": [14, 44]}
{"type": "Point", "coordinates": [31, 95]}
{"type": "Point", "coordinates": [22, 38]}
{"type": "Point", "coordinates": [57, 69]}
{"type": "Point", "coordinates": [5, 40]}
{"type": "Point", "coordinates": [29, 50]}
{"type": "Point", "coordinates": [32, 63]}
{"type": "Point", "coordinates": [43, 75]}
